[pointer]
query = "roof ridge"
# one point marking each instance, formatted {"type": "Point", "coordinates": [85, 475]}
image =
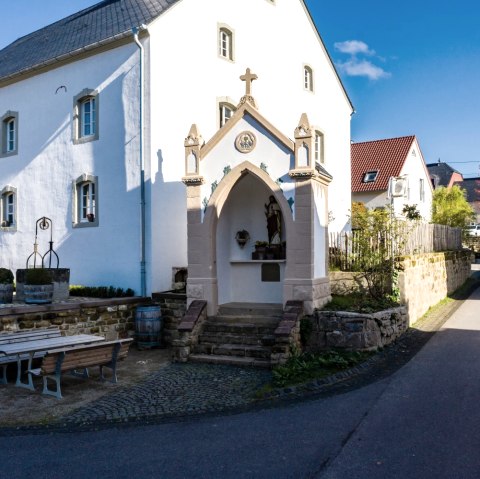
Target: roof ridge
{"type": "Point", "coordinates": [383, 139]}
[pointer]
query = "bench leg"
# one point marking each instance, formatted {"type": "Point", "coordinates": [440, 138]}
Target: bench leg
{"type": "Point", "coordinates": [57, 392]}
{"type": "Point", "coordinates": [113, 368]}
{"type": "Point", "coordinates": [3, 379]}
{"type": "Point", "coordinates": [29, 383]}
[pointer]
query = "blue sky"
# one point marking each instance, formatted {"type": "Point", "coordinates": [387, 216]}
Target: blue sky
{"type": "Point", "coordinates": [410, 67]}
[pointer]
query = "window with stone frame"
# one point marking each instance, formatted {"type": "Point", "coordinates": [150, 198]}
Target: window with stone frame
{"type": "Point", "coordinates": [8, 207]}
{"type": "Point", "coordinates": [226, 43]}
{"type": "Point", "coordinates": [308, 78]}
{"type": "Point", "coordinates": [226, 111]}
{"type": "Point", "coordinates": [85, 116]}
{"type": "Point", "coordinates": [319, 147]}
{"type": "Point", "coordinates": [9, 138]}
{"type": "Point", "coordinates": [85, 201]}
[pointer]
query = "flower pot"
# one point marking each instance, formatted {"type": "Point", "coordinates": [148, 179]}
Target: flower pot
{"type": "Point", "coordinates": [38, 293]}
{"type": "Point", "coordinates": [6, 293]}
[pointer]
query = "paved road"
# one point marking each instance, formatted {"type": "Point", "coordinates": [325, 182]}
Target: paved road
{"type": "Point", "coordinates": [422, 422]}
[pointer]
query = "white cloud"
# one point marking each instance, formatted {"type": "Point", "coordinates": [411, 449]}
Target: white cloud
{"type": "Point", "coordinates": [362, 68]}
{"type": "Point", "coordinates": [357, 65]}
{"type": "Point", "coordinates": [353, 47]}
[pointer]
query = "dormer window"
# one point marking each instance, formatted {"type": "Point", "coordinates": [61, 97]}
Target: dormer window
{"type": "Point", "coordinates": [370, 176]}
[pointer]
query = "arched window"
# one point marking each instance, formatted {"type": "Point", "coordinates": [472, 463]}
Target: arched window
{"type": "Point", "coordinates": [9, 207]}
{"type": "Point", "coordinates": [225, 43]}
{"type": "Point", "coordinates": [85, 201]}
{"type": "Point", "coordinates": [85, 116]}
{"type": "Point", "coordinates": [308, 78]}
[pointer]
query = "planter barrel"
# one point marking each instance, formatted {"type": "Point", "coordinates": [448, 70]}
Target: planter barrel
{"type": "Point", "coordinates": [38, 293]}
{"type": "Point", "coordinates": [6, 293]}
{"type": "Point", "coordinates": [148, 327]}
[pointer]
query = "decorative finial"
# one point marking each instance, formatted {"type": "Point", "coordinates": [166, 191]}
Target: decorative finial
{"type": "Point", "coordinates": [248, 79]}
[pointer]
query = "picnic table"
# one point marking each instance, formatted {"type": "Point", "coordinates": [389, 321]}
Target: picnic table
{"type": "Point", "coordinates": [27, 350]}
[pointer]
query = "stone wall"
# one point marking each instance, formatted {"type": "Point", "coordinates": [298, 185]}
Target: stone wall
{"type": "Point", "coordinates": [345, 282]}
{"type": "Point", "coordinates": [173, 306]}
{"type": "Point", "coordinates": [426, 279]}
{"type": "Point", "coordinates": [355, 331]}
{"type": "Point", "coordinates": [112, 318]}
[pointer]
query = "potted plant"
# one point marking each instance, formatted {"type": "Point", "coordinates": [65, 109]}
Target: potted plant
{"type": "Point", "coordinates": [260, 250]}
{"type": "Point", "coordinates": [242, 237]}
{"type": "Point", "coordinates": [38, 288]}
{"type": "Point", "coordinates": [6, 286]}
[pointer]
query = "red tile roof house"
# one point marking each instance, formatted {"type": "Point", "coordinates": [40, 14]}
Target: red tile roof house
{"type": "Point", "coordinates": [392, 165]}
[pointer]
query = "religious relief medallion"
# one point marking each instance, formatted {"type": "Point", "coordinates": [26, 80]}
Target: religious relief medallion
{"type": "Point", "coordinates": [245, 142]}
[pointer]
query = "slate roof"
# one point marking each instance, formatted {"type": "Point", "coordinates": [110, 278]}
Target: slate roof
{"type": "Point", "coordinates": [102, 23]}
{"type": "Point", "coordinates": [472, 188]}
{"type": "Point", "coordinates": [385, 156]}
{"type": "Point", "coordinates": [441, 173]}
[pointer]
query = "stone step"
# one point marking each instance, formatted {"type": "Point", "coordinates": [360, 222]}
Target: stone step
{"type": "Point", "coordinates": [231, 338]}
{"type": "Point", "coordinates": [238, 328]}
{"type": "Point", "coordinates": [230, 360]}
{"type": "Point", "coordinates": [238, 350]}
{"type": "Point", "coordinates": [245, 319]}
{"type": "Point", "coordinates": [255, 309]}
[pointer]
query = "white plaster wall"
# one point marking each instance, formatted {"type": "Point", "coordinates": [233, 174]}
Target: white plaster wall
{"type": "Point", "coordinates": [48, 162]}
{"type": "Point", "coordinates": [415, 169]}
{"type": "Point", "coordinates": [241, 281]}
{"type": "Point", "coordinates": [320, 230]}
{"type": "Point", "coordinates": [187, 78]}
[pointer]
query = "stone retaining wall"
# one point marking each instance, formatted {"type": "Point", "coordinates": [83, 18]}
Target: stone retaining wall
{"type": "Point", "coordinates": [173, 306]}
{"type": "Point", "coordinates": [355, 331]}
{"type": "Point", "coordinates": [112, 318]}
{"type": "Point", "coordinates": [426, 279]}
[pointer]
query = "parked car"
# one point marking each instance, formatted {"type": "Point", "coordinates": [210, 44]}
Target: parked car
{"type": "Point", "coordinates": [473, 230]}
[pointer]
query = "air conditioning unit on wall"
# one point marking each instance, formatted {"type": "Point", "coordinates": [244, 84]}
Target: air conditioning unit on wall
{"type": "Point", "coordinates": [399, 187]}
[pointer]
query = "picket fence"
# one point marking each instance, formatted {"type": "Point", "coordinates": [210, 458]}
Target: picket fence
{"type": "Point", "coordinates": [420, 238]}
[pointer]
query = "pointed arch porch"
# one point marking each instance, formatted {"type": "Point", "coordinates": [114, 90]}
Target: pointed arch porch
{"type": "Point", "coordinates": [203, 248]}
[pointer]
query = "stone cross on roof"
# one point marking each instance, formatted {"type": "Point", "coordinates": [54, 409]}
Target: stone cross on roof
{"type": "Point", "coordinates": [248, 79]}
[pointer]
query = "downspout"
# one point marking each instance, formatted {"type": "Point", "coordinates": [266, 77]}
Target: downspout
{"type": "Point", "coordinates": [143, 282]}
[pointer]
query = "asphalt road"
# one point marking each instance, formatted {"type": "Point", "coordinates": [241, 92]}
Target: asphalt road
{"type": "Point", "coordinates": [421, 422]}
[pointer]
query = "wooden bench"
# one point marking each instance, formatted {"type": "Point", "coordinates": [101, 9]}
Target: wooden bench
{"type": "Point", "coordinates": [21, 337]}
{"type": "Point", "coordinates": [57, 361]}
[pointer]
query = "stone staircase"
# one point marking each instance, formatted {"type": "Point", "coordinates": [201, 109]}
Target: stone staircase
{"type": "Point", "coordinates": [241, 334]}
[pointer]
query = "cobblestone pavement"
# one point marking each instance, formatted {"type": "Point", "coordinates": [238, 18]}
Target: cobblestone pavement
{"type": "Point", "coordinates": [176, 389]}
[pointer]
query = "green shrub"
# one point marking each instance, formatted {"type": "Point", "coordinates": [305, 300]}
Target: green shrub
{"type": "Point", "coordinates": [307, 366]}
{"type": "Point", "coordinates": [100, 291]}
{"type": "Point", "coordinates": [38, 276]}
{"type": "Point", "coordinates": [6, 276]}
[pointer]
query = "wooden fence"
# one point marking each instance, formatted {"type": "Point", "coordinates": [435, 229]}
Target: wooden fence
{"type": "Point", "coordinates": [344, 248]}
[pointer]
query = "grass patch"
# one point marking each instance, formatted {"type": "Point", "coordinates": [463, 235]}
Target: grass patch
{"type": "Point", "coordinates": [359, 303]}
{"type": "Point", "coordinates": [307, 366]}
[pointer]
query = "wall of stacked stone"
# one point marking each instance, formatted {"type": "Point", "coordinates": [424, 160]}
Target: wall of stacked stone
{"type": "Point", "coordinates": [355, 331]}
{"type": "Point", "coordinates": [425, 279]}
{"type": "Point", "coordinates": [173, 306]}
{"type": "Point", "coordinates": [112, 318]}
{"type": "Point", "coordinates": [345, 282]}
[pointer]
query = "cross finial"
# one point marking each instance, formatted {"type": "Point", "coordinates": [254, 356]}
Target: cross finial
{"type": "Point", "coordinates": [248, 79]}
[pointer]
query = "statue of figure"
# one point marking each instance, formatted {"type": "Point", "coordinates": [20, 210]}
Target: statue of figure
{"type": "Point", "coordinates": [274, 221]}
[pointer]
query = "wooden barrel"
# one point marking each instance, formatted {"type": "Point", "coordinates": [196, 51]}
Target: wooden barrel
{"type": "Point", "coordinates": [148, 327]}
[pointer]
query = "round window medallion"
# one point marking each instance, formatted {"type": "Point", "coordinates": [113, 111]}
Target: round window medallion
{"type": "Point", "coordinates": [245, 142]}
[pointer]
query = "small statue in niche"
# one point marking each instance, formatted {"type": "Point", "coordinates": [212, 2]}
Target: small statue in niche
{"type": "Point", "coordinates": [274, 221]}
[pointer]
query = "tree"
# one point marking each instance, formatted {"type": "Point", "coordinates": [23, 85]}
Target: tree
{"type": "Point", "coordinates": [450, 207]}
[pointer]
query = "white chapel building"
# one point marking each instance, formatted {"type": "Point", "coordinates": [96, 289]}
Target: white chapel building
{"type": "Point", "coordinates": [152, 132]}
